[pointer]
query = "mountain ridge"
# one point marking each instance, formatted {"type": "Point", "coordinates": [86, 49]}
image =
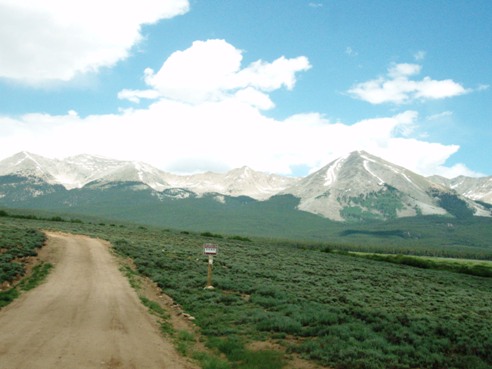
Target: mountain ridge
{"type": "Point", "coordinates": [360, 185]}
{"type": "Point", "coordinates": [355, 187]}
{"type": "Point", "coordinates": [78, 171]}
{"type": "Point", "coordinates": [474, 188]}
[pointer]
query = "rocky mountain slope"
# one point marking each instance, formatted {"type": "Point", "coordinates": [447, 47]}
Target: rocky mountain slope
{"type": "Point", "coordinates": [473, 188]}
{"type": "Point", "coordinates": [82, 170]}
{"type": "Point", "coordinates": [356, 187]}
{"type": "Point", "coordinates": [362, 186]}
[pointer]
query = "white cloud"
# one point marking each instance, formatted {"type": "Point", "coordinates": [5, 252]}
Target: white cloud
{"type": "Point", "coordinates": [398, 88]}
{"type": "Point", "coordinates": [255, 98]}
{"type": "Point", "coordinates": [211, 71]}
{"type": "Point", "coordinates": [135, 95]}
{"type": "Point", "coordinates": [181, 137]}
{"type": "Point", "coordinates": [403, 70]}
{"type": "Point", "coordinates": [272, 76]}
{"type": "Point", "coordinates": [431, 89]}
{"type": "Point", "coordinates": [456, 171]}
{"type": "Point", "coordinates": [439, 116]}
{"type": "Point", "coordinates": [200, 73]}
{"type": "Point", "coordinates": [53, 40]}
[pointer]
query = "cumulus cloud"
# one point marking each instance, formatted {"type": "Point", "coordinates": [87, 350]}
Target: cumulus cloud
{"type": "Point", "coordinates": [182, 138]}
{"type": "Point", "coordinates": [397, 87]}
{"type": "Point", "coordinates": [211, 71]}
{"type": "Point", "coordinates": [55, 40]}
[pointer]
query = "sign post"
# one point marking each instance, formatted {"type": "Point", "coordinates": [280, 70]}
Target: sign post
{"type": "Point", "coordinates": [210, 250]}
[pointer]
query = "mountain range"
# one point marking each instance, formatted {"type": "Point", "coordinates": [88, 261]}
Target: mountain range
{"type": "Point", "coordinates": [354, 188]}
{"type": "Point", "coordinates": [88, 170]}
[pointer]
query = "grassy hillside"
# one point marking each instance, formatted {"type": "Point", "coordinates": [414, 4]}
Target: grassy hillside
{"type": "Point", "coordinates": [338, 310]}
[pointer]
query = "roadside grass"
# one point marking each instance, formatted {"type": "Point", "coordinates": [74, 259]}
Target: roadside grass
{"type": "Point", "coordinates": [131, 275]}
{"type": "Point", "coordinates": [153, 307]}
{"type": "Point", "coordinates": [163, 316]}
{"type": "Point", "coordinates": [184, 342]}
{"type": "Point", "coordinates": [6, 297]}
{"type": "Point", "coordinates": [37, 276]}
{"type": "Point", "coordinates": [208, 361]}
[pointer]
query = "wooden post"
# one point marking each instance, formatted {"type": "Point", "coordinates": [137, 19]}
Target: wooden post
{"type": "Point", "coordinates": [210, 250]}
{"type": "Point", "coordinates": [209, 276]}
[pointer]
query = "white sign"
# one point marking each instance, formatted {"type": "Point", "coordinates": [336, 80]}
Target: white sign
{"type": "Point", "coordinates": [210, 249]}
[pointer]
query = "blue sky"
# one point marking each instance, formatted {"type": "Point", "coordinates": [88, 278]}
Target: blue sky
{"type": "Point", "coordinates": [281, 86]}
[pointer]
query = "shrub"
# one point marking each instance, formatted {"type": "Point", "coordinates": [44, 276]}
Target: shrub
{"type": "Point", "coordinates": [275, 322]}
{"type": "Point", "coordinates": [211, 235]}
{"type": "Point", "coordinates": [240, 238]}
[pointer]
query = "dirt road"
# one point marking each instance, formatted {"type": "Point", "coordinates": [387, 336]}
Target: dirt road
{"type": "Point", "coordinates": [85, 315]}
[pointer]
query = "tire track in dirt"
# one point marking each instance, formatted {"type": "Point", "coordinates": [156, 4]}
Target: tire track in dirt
{"type": "Point", "coordinates": [85, 315]}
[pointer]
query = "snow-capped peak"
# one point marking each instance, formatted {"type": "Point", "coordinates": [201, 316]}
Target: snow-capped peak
{"type": "Point", "coordinates": [353, 184]}
{"type": "Point", "coordinates": [78, 171]}
{"type": "Point", "coordinates": [27, 164]}
{"type": "Point", "coordinates": [236, 182]}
